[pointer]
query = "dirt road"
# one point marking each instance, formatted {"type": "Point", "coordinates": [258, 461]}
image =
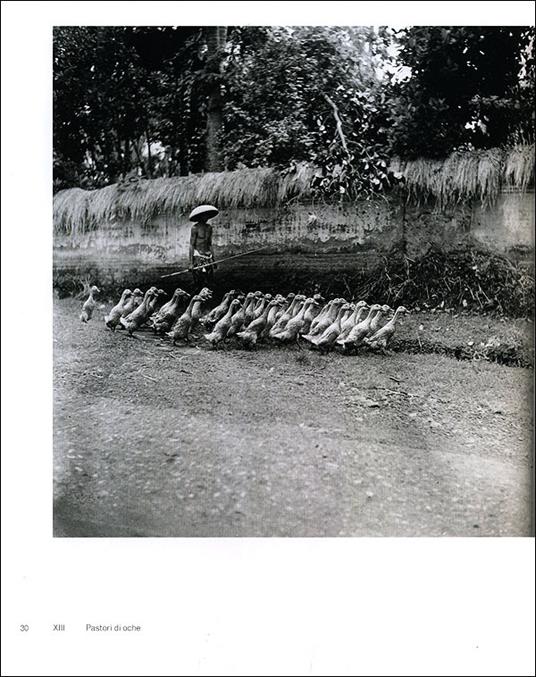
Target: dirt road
{"type": "Point", "coordinates": [155, 441]}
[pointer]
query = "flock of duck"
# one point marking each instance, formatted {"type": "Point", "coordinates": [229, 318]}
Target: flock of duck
{"type": "Point", "coordinates": [254, 317]}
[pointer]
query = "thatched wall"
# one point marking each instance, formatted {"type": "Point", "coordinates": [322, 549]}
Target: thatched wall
{"type": "Point", "coordinates": [468, 176]}
{"type": "Point", "coordinates": [76, 210]}
{"type": "Point", "coordinates": [143, 230]}
{"type": "Point", "coordinates": [315, 240]}
{"type": "Point", "coordinates": [462, 177]}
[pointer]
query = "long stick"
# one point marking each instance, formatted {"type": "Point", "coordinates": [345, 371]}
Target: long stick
{"type": "Point", "coordinates": [212, 263]}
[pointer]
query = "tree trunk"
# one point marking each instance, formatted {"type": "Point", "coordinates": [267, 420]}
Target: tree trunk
{"type": "Point", "coordinates": [128, 157]}
{"type": "Point", "coordinates": [216, 37]}
{"type": "Point", "coordinates": [149, 156]}
{"type": "Point", "coordinates": [141, 163]}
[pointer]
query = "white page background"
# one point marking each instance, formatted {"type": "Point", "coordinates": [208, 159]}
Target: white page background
{"type": "Point", "coordinates": [213, 606]}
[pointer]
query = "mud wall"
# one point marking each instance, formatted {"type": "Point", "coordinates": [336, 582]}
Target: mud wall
{"type": "Point", "coordinates": [300, 239]}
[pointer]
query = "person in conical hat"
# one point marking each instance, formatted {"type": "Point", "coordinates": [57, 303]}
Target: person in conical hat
{"type": "Point", "coordinates": [201, 250]}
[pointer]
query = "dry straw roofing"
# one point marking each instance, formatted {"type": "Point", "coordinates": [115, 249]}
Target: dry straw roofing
{"type": "Point", "coordinates": [464, 176]}
{"type": "Point", "coordinates": [77, 210]}
{"type": "Point", "coordinates": [474, 175]}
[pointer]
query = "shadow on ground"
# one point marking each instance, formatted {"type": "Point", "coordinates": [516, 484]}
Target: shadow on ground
{"type": "Point", "coordinates": [155, 441]}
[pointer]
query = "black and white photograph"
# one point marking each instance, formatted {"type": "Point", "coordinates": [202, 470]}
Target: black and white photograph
{"type": "Point", "coordinates": [293, 280]}
{"type": "Point", "coordinates": [268, 343]}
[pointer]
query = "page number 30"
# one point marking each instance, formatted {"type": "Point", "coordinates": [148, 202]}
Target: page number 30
{"type": "Point", "coordinates": [24, 628]}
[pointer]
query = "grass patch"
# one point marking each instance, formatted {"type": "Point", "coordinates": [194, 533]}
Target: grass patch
{"type": "Point", "coordinates": [508, 354]}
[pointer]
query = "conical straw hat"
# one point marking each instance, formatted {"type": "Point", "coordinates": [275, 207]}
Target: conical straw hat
{"type": "Point", "coordinates": [204, 212]}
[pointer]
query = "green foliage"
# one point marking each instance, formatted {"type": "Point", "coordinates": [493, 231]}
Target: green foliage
{"type": "Point", "coordinates": [309, 95]}
{"type": "Point", "coordinates": [468, 87]}
{"type": "Point", "coordinates": [118, 91]}
{"type": "Point", "coordinates": [139, 100]}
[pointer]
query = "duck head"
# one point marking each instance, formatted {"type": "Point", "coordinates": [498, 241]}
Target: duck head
{"type": "Point", "coordinates": [235, 304]}
{"type": "Point", "coordinates": [94, 289]}
{"type": "Point", "coordinates": [319, 299]}
{"type": "Point", "coordinates": [180, 293]}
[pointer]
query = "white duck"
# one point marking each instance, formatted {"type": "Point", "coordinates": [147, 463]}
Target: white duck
{"type": "Point", "coordinates": [381, 338]}
{"type": "Point", "coordinates": [354, 318]}
{"type": "Point", "coordinates": [328, 337]}
{"type": "Point", "coordinates": [219, 311]}
{"type": "Point", "coordinates": [360, 331]}
{"type": "Point", "coordinates": [112, 319]}
{"type": "Point", "coordinates": [291, 312]}
{"type": "Point", "coordinates": [89, 305]}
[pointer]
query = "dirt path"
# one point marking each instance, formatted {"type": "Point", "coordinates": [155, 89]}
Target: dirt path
{"type": "Point", "coordinates": [151, 441]}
